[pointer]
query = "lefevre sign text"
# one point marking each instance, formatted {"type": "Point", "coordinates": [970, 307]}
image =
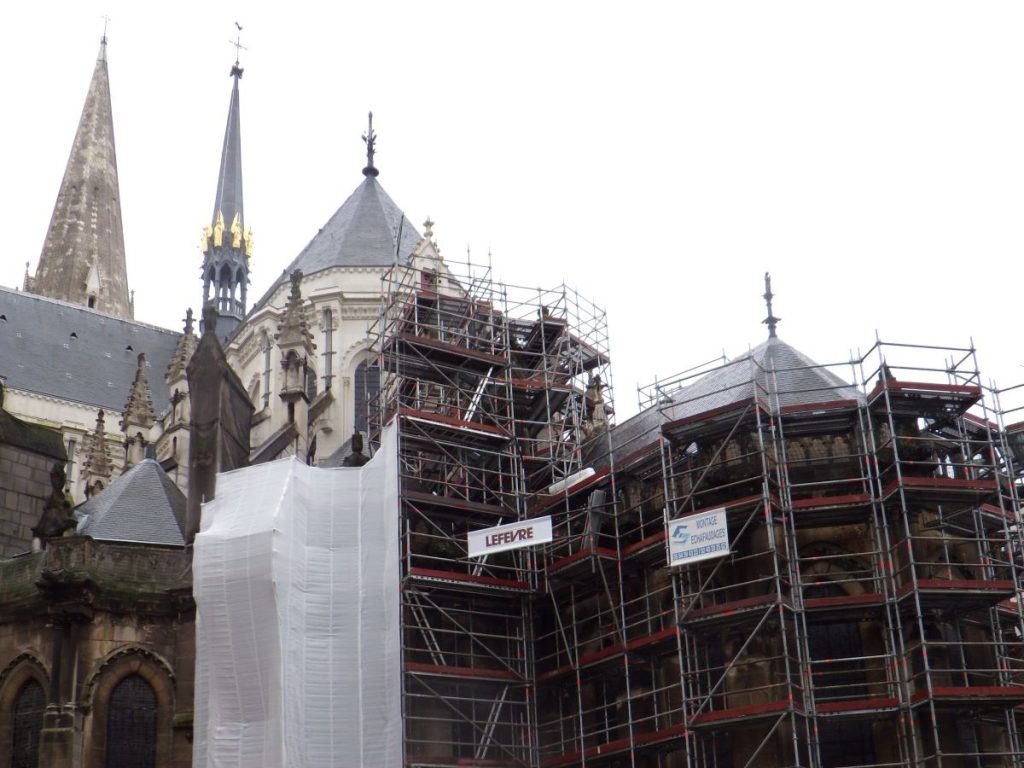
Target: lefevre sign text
{"type": "Point", "coordinates": [512, 536]}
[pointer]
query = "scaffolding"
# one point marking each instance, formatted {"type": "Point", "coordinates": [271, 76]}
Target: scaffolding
{"type": "Point", "coordinates": [497, 393]}
{"type": "Point", "coordinates": [867, 612]}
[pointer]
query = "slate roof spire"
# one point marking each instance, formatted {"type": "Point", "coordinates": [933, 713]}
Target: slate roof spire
{"type": "Point", "coordinates": [82, 260]}
{"type": "Point", "coordinates": [225, 243]}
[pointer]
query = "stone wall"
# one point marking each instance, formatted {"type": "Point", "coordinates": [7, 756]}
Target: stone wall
{"type": "Point", "coordinates": [24, 489]}
{"type": "Point", "coordinates": [79, 617]}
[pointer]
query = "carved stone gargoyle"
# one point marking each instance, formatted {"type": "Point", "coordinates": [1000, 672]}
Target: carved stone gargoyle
{"type": "Point", "coordinates": [57, 517]}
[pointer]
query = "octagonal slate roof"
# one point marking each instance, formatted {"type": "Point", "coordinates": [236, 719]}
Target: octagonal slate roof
{"type": "Point", "coordinates": [798, 381]}
{"type": "Point", "coordinates": [143, 506]}
{"type": "Point", "coordinates": [361, 233]}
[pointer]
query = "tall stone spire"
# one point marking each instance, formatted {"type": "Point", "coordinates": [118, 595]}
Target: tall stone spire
{"type": "Point", "coordinates": [226, 245]}
{"type": "Point", "coordinates": [82, 261]}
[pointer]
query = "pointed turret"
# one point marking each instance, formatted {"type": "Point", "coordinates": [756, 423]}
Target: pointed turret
{"type": "Point", "coordinates": [98, 468]}
{"type": "Point", "coordinates": [82, 261]}
{"type": "Point", "coordinates": [138, 418]}
{"type": "Point", "coordinates": [225, 243]}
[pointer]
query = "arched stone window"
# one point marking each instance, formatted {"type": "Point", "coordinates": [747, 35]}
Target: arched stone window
{"type": "Point", "coordinates": [26, 723]}
{"type": "Point", "coordinates": [23, 685]}
{"type": "Point", "coordinates": [132, 696]}
{"type": "Point", "coordinates": [366, 387]}
{"type": "Point", "coordinates": [131, 724]}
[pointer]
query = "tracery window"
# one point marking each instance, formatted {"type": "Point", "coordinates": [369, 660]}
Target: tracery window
{"type": "Point", "coordinates": [26, 723]}
{"type": "Point", "coordinates": [367, 387]}
{"type": "Point", "coordinates": [131, 725]}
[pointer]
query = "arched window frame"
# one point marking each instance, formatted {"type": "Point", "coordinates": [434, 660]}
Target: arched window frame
{"type": "Point", "coordinates": [13, 677]}
{"type": "Point", "coordinates": [361, 389]}
{"type": "Point", "coordinates": [124, 664]}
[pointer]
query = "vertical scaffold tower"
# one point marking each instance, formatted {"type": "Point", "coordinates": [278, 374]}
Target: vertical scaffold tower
{"type": "Point", "coordinates": [496, 393]}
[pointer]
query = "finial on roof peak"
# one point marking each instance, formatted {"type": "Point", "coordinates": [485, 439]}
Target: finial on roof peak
{"type": "Point", "coordinates": [371, 145]}
{"type": "Point", "coordinates": [103, 40]}
{"type": "Point", "coordinates": [771, 321]}
{"type": "Point", "coordinates": [236, 70]}
{"type": "Point", "coordinates": [428, 229]}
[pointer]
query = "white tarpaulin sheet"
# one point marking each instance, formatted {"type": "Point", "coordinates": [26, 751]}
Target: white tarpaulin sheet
{"type": "Point", "coordinates": [297, 636]}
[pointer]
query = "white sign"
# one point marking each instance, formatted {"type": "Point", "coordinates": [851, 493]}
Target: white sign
{"type": "Point", "coordinates": [512, 536]}
{"type": "Point", "coordinates": [698, 537]}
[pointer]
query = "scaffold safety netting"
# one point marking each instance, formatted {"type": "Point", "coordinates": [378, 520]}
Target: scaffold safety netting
{"type": "Point", "coordinates": [297, 627]}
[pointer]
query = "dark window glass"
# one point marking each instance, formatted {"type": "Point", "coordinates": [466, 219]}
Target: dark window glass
{"type": "Point", "coordinates": [367, 387]}
{"type": "Point", "coordinates": [837, 653]}
{"type": "Point", "coordinates": [131, 725]}
{"type": "Point", "coordinates": [27, 721]}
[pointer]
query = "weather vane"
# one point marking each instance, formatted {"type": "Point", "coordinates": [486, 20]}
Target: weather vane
{"type": "Point", "coordinates": [371, 143]}
{"type": "Point", "coordinates": [771, 321]}
{"type": "Point", "coordinates": [237, 42]}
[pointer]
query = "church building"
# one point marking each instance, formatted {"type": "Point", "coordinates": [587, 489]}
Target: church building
{"type": "Point", "coordinates": [777, 562]}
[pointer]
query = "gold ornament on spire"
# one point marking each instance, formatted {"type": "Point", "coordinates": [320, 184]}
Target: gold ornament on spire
{"type": "Point", "coordinates": [218, 231]}
{"type": "Point", "coordinates": [248, 244]}
{"type": "Point", "coordinates": [236, 233]}
{"type": "Point", "coordinates": [204, 239]}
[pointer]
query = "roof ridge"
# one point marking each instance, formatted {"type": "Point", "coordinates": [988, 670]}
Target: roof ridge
{"type": "Point", "coordinates": [87, 310]}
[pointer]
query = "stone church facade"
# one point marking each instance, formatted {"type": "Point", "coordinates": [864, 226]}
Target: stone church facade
{"type": "Point", "coordinates": [867, 612]}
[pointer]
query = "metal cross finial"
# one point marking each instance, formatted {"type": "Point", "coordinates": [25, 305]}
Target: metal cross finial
{"type": "Point", "coordinates": [106, 20]}
{"type": "Point", "coordinates": [771, 321]}
{"type": "Point", "coordinates": [237, 42]}
{"type": "Point", "coordinates": [371, 143]}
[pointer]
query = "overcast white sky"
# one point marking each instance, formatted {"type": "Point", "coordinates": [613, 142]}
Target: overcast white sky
{"type": "Point", "coordinates": [659, 156]}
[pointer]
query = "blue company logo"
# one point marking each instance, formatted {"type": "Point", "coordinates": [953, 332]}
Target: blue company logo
{"type": "Point", "coordinates": [680, 534]}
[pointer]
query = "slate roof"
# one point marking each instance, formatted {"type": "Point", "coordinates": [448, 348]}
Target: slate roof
{"type": "Point", "coordinates": [229, 178]}
{"type": "Point", "coordinates": [799, 381]}
{"type": "Point", "coordinates": [143, 506]}
{"type": "Point", "coordinates": [95, 367]}
{"type": "Point", "coordinates": [361, 233]}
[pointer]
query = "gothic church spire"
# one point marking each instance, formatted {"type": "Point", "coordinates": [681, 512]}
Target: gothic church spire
{"type": "Point", "coordinates": [226, 245]}
{"type": "Point", "coordinates": [82, 261]}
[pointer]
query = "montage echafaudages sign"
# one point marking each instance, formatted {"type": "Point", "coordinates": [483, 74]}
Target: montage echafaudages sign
{"type": "Point", "coordinates": [698, 537]}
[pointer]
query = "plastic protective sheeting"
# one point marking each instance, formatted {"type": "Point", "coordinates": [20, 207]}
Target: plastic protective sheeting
{"type": "Point", "coordinates": [297, 639]}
